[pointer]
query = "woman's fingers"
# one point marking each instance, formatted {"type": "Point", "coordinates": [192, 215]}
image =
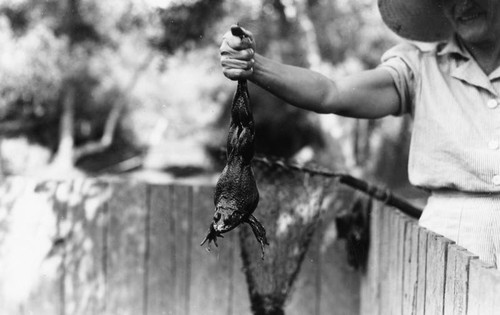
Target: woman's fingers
{"type": "Point", "coordinates": [237, 42]}
{"type": "Point", "coordinates": [245, 54]}
{"type": "Point", "coordinates": [237, 54]}
{"type": "Point", "coordinates": [228, 62]}
{"type": "Point", "coordinates": [237, 74]}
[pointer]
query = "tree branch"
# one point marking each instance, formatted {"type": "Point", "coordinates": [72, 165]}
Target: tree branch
{"type": "Point", "coordinates": [114, 116]}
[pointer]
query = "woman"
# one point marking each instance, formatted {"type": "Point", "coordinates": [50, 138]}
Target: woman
{"type": "Point", "coordinates": [451, 91]}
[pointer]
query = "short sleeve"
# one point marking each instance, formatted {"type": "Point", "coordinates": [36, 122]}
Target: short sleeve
{"type": "Point", "coordinates": [402, 62]}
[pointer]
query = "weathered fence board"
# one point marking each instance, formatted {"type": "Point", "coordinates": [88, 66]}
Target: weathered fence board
{"type": "Point", "coordinates": [322, 288]}
{"type": "Point", "coordinates": [410, 265]}
{"type": "Point", "coordinates": [384, 280]}
{"type": "Point", "coordinates": [339, 287]}
{"type": "Point", "coordinates": [47, 296]}
{"type": "Point", "coordinates": [182, 199]}
{"type": "Point", "coordinates": [84, 264]}
{"type": "Point", "coordinates": [161, 249]}
{"type": "Point", "coordinates": [370, 283]}
{"type": "Point", "coordinates": [397, 258]}
{"type": "Point", "coordinates": [421, 272]}
{"type": "Point", "coordinates": [306, 300]}
{"type": "Point", "coordinates": [436, 271]}
{"type": "Point", "coordinates": [457, 280]}
{"type": "Point", "coordinates": [126, 249]}
{"type": "Point", "coordinates": [94, 246]}
{"type": "Point", "coordinates": [214, 288]}
{"type": "Point", "coordinates": [484, 289]}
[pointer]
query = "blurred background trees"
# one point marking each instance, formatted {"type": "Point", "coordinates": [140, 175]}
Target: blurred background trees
{"type": "Point", "coordinates": [90, 86]}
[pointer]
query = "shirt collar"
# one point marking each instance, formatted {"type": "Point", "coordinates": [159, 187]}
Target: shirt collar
{"type": "Point", "coordinates": [466, 67]}
{"type": "Point", "coordinates": [454, 47]}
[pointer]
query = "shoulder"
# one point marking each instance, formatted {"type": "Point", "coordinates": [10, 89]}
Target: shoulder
{"type": "Point", "coordinates": [405, 49]}
{"type": "Point", "coordinates": [412, 53]}
{"type": "Point", "coordinates": [414, 56]}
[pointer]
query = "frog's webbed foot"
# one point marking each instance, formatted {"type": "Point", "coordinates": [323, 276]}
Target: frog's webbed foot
{"type": "Point", "coordinates": [259, 232]}
{"type": "Point", "coordinates": [211, 237]}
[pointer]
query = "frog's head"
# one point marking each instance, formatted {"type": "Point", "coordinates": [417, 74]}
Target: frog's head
{"type": "Point", "coordinates": [226, 219]}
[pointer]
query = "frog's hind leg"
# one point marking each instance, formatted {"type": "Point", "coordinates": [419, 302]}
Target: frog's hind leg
{"type": "Point", "coordinates": [258, 231]}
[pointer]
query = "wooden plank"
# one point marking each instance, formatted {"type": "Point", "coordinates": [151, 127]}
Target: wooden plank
{"type": "Point", "coordinates": [218, 284]}
{"type": "Point", "coordinates": [11, 189]}
{"type": "Point", "coordinates": [48, 297]}
{"type": "Point", "coordinates": [403, 230]}
{"type": "Point", "coordinates": [338, 284]}
{"type": "Point", "coordinates": [422, 271]}
{"type": "Point", "coordinates": [30, 262]}
{"type": "Point", "coordinates": [84, 264]}
{"type": "Point", "coordinates": [410, 268]}
{"type": "Point", "coordinates": [316, 289]}
{"type": "Point", "coordinates": [126, 249]}
{"type": "Point", "coordinates": [304, 299]}
{"type": "Point", "coordinates": [393, 262]}
{"type": "Point", "coordinates": [400, 223]}
{"type": "Point", "coordinates": [385, 297]}
{"type": "Point", "coordinates": [238, 289]}
{"type": "Point", "coordinates": [396, 253]}
{"type": "Point", "coordinates": [484, 288]}
{"type": "Point", "coordinates": [202, 288]}
{"type": "Point", "coordinates": [182, 200]}
{"type": "Point", "coordinates": [370, 280]}
{"type": "Point", "coordinates": [161, 251]}
{"type": "Point", "coordinates": [457, 280]}
{"type": "Point", "coordinates": [437, 250]}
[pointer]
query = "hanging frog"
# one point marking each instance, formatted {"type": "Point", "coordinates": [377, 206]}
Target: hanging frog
{"type": "Point", "coordinates": [236, 195]}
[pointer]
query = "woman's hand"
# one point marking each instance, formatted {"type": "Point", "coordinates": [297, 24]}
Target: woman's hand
{"type": "Point", "coordinates": [237, 55]}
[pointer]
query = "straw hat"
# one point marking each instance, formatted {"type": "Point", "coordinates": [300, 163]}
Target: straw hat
{"type": "Point", "coordinates": [421, 20]}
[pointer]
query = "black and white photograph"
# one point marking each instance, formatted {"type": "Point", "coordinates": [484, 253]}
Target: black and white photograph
{"type": "Point", "coordinates": [261, 157]}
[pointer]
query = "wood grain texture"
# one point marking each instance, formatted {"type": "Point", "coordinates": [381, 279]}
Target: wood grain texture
{"type": "Point", "coordinates": [457, 280]}
{"type": "Point", "coordinates": [484, 289]}
{"type": "Point", "coordinates": [47, 202]}
{"type": "Point", "coordinates": [370, 292]}
{"type": "Point", "coordinates": [384, 280]}
{"type": "Point", "coordinates": [101, 247]}
{"type": "Point", "coordinates": [126, 248]}
{"type": "Point", "coordinates": [84, 258]}
{"type": "Point", "coordinates": [217, 283]}
{"type": "Point", "coordinates": [437, 252]}
{"type": "Point", "coordinates": [422, 271]}
{"type": "Point", "coordinates": [410, 281]}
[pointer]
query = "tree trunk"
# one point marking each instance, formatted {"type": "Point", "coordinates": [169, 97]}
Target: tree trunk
{"type": "Point", "coordinates": [114, 116]}
{"type": "Point", "coordinates": [65, 151]}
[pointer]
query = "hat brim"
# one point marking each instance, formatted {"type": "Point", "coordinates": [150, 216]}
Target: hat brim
{"type": "Point", "coordinates": [420, 20]}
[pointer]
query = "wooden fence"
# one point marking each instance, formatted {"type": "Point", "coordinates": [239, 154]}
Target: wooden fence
{"type": "Point", "coordinates": [414, 271]}
{"type": "Point", "coordinates": [114, 247]}
{"type": "Point", "coordinates": [118, 247]}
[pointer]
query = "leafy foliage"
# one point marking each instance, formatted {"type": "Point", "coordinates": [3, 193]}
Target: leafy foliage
{"type": "Point", "coordinates": [31, 67]}
{"type": "Point", "coordinates": [160, 64]}
{"type": "Point", "coordinates": [187, 23]}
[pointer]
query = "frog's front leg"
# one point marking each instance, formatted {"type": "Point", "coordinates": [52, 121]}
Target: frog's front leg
{"type": "Point", "coordinates": [211, 236]}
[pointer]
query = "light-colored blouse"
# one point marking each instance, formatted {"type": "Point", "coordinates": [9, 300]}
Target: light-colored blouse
{"type": "Point", "coordinates": [456, 116]}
